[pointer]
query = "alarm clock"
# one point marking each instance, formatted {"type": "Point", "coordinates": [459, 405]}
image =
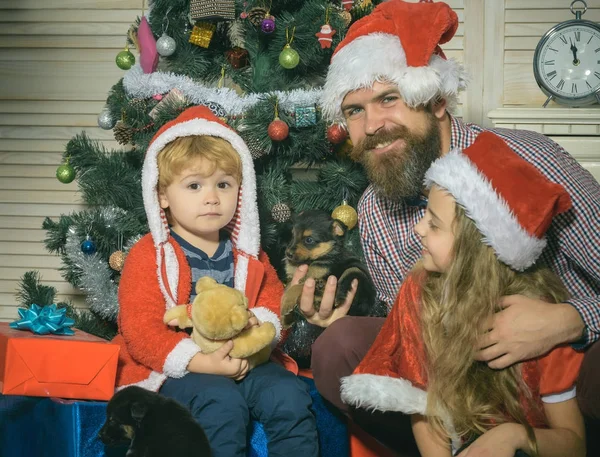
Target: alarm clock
{"type": "Point", "coordinates": [566, 62]}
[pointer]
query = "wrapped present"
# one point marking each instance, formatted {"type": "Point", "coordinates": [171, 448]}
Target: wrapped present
{"type": "Point", "coordinates": [237, 57]}
{"type": "Point", "coordinates": [53, 427]}
{"type": "Point", "coordinates": [306, 116]}
{"type": "Point", "coordinates": [202, 34]}
{"type": "Point", "coordinates": [79, 366]}
{"type": "Point", "coordinates": [212, 10]}
{"type": "Point", "coordinates": [67, 428]}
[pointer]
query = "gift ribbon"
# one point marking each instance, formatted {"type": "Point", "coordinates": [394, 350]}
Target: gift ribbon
{"type": "Point", "coordinates": [43, 320]}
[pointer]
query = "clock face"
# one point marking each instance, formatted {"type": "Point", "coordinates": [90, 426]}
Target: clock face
{"type": "Point", "coordinates": [567, 61]}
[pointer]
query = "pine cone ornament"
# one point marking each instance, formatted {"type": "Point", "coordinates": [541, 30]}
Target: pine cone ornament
{"type": "Point", "coordinates": [256, 149]}
{"type": "Point", "coordinates": [257, 15]}
{"type": "Point", "coordinates": [123, 133]}
{"type": "Point", "coordinates": [281, 212]}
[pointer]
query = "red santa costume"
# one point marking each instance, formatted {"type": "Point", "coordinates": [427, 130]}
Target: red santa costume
{"type": "Point", "coordinates": [156, 275]}
{"type": "Point", "coordinates": [512, 205]}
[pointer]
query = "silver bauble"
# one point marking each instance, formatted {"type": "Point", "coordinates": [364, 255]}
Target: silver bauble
{"type": "Point", "coordinates": [105, 120]}
{"type": "Point", "coordinates": [165, 45]}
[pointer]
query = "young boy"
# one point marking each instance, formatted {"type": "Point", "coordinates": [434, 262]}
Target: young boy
{"type": "Point", "coordinates": [199, 192]}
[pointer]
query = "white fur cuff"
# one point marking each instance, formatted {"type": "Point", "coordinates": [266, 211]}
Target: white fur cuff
{"type": "Point", "coordinates": [266, 315]}
{"type": "Point", "coordinates": [383, 393]}
{"type": "Point", "coordinates": [177, 361]}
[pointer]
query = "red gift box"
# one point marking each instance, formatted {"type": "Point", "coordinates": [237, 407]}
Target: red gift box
{"type": "Point", "coordinates": [80, 366]}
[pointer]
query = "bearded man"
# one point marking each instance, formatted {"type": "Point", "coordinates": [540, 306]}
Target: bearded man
{"type": "Point", "coordinates": [391, 85]}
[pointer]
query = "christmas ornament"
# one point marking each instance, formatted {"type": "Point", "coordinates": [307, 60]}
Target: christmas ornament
{"type": "Point", "coordinates": [88, 246]}
{"type": "Point", "coordinates": [325, 36]}
{"type": "Point", "coordinates": [289, 57]}
{"type": "Point", "coordinates": [65, 173]}
{"type": "Point", "coordinates": [147, 43]}
{"type": "Point", "coordinates": [212, 10]}
{"type": "Point", "coordinates": [257, 150]}
{"type": "Point", "coordinates": [337, 134]}
{"type": "Point", "coordinates": [278, 130]}
{"type": "Point", "coordinates": [175, 96]}
{"type": "Point", "coordinates": [281, 212]}
{"type": "Point", "coordinates": [237, 58]}
{"type": "Point", "coordinates": [345, 149]}
{"type": "Point", "coordinates": [346, 17]}
{"type": "Point", "coordinates": [123, 133]}
{"type": "Point", "coordinates": [202, 34]}
{"type": "Point", "coordinates": [216, 109]}
{"type": "Point", "coordinates": [105, 120]}
{"type": "Point", "coordinates": [347, 4]}
{"type": "Point", "coordinates": [244, 14]}
{"type": "Point", "coordinates": [306, 116]}
{"type": "Point", "coordinates": [267, 25]}
{"type": "Point", "coordinates": [256, 15]}
{"type": "Point", "coordinates": [117, 260]}
{"type": "Point", "coordinates": [166, 45]}
{"type": "Point", "coordinates": [346, 214]}
{"type": "Point", "coordinates": [125, 59]}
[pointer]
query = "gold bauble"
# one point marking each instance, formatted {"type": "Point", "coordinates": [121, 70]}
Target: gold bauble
{"type": "Point", "coordinates": [117, 260]}
{"type": "Point", "coordinates": [346, 214]}
{"type": "Point", "coordinates": [346, 17]}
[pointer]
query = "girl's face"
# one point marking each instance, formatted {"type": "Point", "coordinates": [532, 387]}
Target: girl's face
{"type": "Point", "coordinates": [436, 231]}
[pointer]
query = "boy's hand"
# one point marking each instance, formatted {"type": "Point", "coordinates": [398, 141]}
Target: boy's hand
{"type": "Point", "coordinates": [252, 321]}
{"type": "Point", "coordinates": [220, 363]}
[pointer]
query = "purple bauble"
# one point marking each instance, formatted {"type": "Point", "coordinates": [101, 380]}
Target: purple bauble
{"type": "Point", "coordinates": [268, 24]}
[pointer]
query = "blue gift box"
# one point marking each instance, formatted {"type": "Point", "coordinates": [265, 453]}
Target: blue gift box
{"type": "Point", "coordinates": [52, 427]}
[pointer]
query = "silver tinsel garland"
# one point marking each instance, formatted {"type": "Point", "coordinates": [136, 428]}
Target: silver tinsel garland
{"type": "Point", "coordinates": [138, 84]}
{"type": "Point", "coordinates": [94, 279]}
{"type": "Point", "coordinates": [95, 275]}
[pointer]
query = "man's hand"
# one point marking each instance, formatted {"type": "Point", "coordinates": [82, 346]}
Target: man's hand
{"type": "Point", "coordinates": [527, 328]}
{"type": "Point", "coordinates": [327, 314]}
{"type": "Point", "coordinates": [501, 441]}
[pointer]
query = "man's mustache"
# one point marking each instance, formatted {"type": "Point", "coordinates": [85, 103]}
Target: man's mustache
{"type": "Point", "coordinates": [385, 136]}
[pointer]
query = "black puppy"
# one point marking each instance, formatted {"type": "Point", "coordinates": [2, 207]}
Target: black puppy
{"type": "Point", "coordinates": [156, 426]}
{"type": "Point", "coordinates": [318, 241]}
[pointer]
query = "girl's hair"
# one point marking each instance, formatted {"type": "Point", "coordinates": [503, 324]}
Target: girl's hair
{"type": "Point", "coordinates": [456, 305]}
{"type": "Point", "coordinates": [215, 153]}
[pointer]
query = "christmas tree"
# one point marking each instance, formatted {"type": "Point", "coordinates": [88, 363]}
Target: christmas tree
{"type": "Point", "coordinates": [259, 65]}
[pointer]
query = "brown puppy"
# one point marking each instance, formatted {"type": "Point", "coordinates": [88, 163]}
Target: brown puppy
{"type": "Point", "coordinates": [318, 241]}
{"type": "Point", "coordinates": [157, 426]}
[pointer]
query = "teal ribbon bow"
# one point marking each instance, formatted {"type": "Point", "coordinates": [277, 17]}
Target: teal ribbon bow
{"type": "Point", "coordinates": [43, 320]}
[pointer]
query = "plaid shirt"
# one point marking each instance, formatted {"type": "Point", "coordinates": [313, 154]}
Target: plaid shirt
{"type": "Point", "coordinates": [391, 246]}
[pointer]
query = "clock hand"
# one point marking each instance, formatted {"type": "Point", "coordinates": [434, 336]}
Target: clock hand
{"type": "Point", "coordinates": [574, 51]}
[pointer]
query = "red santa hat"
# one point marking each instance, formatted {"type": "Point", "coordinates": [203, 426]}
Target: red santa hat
{"type": "Point", "coordinates": [398, 43]}
{"type": "Point", "coordinates": [244, 227]}
{"type": "Point", "coordinates": [509, 200]}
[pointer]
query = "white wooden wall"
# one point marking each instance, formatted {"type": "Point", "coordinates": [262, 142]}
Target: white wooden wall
{"type": "Point", "coordinates": [57, 65]}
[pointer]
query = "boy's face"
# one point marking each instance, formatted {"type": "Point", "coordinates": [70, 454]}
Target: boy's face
{"type": "Point", "coordinates": [200, 205]}
{"type": "Point", "coordinates": [436, 231]}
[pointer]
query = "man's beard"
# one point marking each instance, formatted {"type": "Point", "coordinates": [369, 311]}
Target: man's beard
{"type": "Point", "coordinates": [399, 174]}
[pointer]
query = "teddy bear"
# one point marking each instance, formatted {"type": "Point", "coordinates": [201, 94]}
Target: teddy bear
{"type": "Point", "coordinates": [219, 313]}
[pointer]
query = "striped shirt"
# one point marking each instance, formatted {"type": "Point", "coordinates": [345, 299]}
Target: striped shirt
{"type": "Point", "coordinates": [391, 246]}
{"type": "Point", "coordinates": [219, 266]}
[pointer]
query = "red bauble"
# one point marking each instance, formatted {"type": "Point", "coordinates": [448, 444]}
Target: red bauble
{"type": "Point", "coordinates": [278, 130]}
{"type": "Point", "coordinates": [337, 134]}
